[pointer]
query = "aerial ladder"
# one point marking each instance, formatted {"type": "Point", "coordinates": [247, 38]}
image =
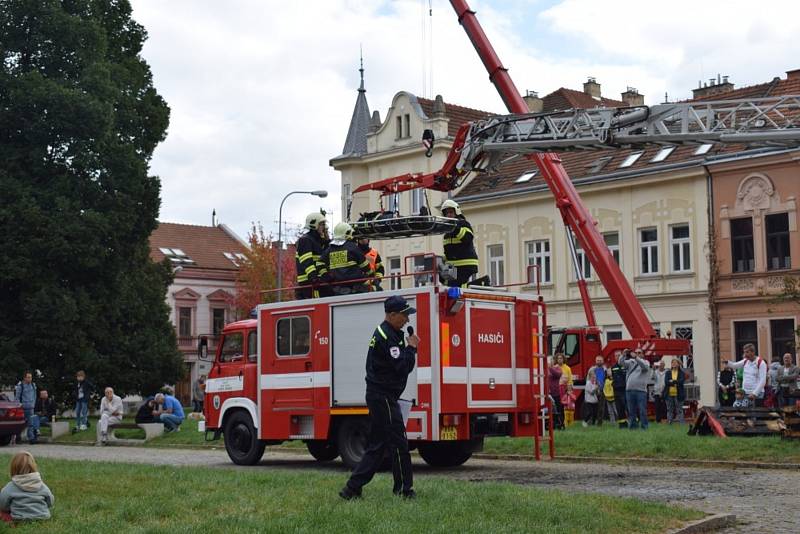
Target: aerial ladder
{"type": "Point", "coordinates": [482, 146]}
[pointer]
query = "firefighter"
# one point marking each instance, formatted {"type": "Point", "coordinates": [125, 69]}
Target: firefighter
{"type": "Point", "coordinates": [308, 250]}
{"type": "Point", "coordinates": [345, 265]}
{"type": "Point", "coordinates": [390, 359]}
{"type": "Point", "coordinates": [375, 263]}
{"type": "Point", "coordinates": [459, 250]}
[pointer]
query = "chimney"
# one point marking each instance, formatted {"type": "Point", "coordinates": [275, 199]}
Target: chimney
{"type": "Point", "coordinates": [535, 104]}
{"type": "Point", "coordinates": [439, 109]}
{"type": "Point", "coordinates": [591, 87]}
{"type": "Point", "coordinates": [375, 122]}
{"type": "Point", "coordinates": [715, 86]}
{"type": "Point", "coordinates": [632, 98]}
{"type": "Point", "coordinates": [793, 74]}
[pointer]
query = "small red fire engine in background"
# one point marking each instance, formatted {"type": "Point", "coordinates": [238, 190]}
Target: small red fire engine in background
{"type": "Point", "coordinates": [297, 373]}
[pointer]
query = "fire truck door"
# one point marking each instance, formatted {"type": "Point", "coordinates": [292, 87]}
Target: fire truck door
{"type": "Point", "coordinates": [288, 380]}
{"type": "Point", "coordinates": [491, 374]}
{"type": "Point", "coordinates": [353, 326]}
{"type": "Point", "coordinates": [235, 372]}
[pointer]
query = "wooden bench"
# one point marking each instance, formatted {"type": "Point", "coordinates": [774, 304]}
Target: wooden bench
{"type": "Point", "coordinates": [151, 430]}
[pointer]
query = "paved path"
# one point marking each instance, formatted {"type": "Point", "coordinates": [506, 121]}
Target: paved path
{"type": "Point", "coordinates": [763, 500]}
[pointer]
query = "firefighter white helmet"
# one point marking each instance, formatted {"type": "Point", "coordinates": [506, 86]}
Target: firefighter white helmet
{"type": "Point", "coordinates": [342, 232]}
{"type": "Point", "coordinates": [449, 203]}
{"type": "Point", "coordinates": [313, 220]}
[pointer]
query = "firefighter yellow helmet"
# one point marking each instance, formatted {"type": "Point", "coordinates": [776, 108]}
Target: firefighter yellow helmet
{"type": "Point", "coordinates": [342, 232]}
{"type": "Point", "coordinates": [313, 220]}
{"type": "Point", "coordinates": [449, 203]}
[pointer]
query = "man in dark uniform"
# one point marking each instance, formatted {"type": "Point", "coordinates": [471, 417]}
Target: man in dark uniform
{"type": "Point", "coordinates": [389, 362]}
{"type": "Point", "coordinates": [459, 250]}
{"type": "Point", "coordinates": [308, 249]}
{"type": "Point", "coordinates": [618, 377]}
{"type": "Point", "coordinates": [346, 265]}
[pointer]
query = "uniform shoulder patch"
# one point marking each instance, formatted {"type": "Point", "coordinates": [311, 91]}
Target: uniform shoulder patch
{"type": "Point", "coordinates": [395, 352]}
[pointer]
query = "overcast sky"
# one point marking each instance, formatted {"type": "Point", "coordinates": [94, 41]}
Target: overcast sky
{"type": "Point", "coordinates": [262, 91]}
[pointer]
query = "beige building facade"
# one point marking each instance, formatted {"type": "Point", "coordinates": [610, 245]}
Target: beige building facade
{"type": "Point", "coordinates": [656, 225]}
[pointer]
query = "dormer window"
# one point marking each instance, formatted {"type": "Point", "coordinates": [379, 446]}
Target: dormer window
{"type": "Point", "coordinates": [631, 159]}
{"type": "Point", "coordinates": [662, 154]}
{"type": "Point", "coordinates": [526, 177]}
{"type": "Point", "coordinates": [235, 257]}
{"type": "Point", "coordinates": [176, 255]}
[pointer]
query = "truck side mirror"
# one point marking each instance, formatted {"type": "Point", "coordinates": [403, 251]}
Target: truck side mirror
{"type": "Point", "coordinates": [202, 348]}
{"type": "Point", "coordinates": [427, 142]}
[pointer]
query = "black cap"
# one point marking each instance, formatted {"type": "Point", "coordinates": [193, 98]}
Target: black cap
{"type": "Point", "coordinates": [398, 304]}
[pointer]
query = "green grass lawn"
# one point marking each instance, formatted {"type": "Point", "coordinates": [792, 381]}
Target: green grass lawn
{"type": "Point", "coordinates": [106, 497]}
{"type": "Point", "coordinates": [659, 441]}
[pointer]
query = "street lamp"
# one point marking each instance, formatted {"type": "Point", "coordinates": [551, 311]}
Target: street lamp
{"type": "Point", "coordinates": [321, 194]}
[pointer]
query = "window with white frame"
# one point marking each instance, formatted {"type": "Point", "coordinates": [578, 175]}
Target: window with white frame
{"type": "Point", "coordinates": [417, 200]}
{"type": "Point", "coordinates": [399, 122]}
{"type": "Point", "coordinates": [612, 242]}
{"type": "Point", "coordinates": [648, 250]}
{"type": "Point", "coordinates": [496, 265]}
{"type": "Point", "coordinates": [393, 271]}
{"type": "Point", "coordinates": [583, 261]}
{"type": "Point", "coordinates": [408, 125]}
{"type": "Point", "coordinates": [538, 253]}
{"type": "Point", "coordinates": [681, 248]}
{"type": "Point", "coordinates": [347, 197]}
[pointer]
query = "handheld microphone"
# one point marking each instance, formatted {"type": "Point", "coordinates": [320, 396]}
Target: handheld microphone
{"type": "Point", "coordinates": [410, 330]}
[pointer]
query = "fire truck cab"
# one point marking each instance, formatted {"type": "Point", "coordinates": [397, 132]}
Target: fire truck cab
{"type": "Point", "coordinates": [297, 373]}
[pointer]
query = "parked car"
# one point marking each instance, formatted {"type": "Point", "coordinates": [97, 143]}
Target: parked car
{"type": "Point", "coordinates": [12, 419]}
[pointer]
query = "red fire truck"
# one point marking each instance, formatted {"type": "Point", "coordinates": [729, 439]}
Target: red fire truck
{"type": "Point", "coordinates": [297, 373]}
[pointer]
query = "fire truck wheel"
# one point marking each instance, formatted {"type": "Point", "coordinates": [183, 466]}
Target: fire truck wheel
{"type": "Point", "coordinates": [352, 440]}
{"type": "Point", "coordinates": [322, 451]}
{"type": "Point", "coordinates": [446, 453]}
{"type": "Point", "coordinates": [241, 440]}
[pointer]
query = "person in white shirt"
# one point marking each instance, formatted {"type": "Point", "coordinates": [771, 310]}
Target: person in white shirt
{"type": "Point", "coordinates": [110, 413]}
{"type": "Point", "coordinates": [754, 374]}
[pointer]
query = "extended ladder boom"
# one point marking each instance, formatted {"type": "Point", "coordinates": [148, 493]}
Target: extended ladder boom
{"type": "Point", "coordinates": [771, 121]}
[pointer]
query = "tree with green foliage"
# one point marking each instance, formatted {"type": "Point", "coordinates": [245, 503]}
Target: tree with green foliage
{"type": "Point", "coordinates": [79, 120]}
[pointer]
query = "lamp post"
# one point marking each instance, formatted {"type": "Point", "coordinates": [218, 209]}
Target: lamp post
{"type": "Point", "coordinates": [320, 194]}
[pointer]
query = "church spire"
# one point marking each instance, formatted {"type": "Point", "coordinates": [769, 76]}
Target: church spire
{"type": "Point", "coordinates": [361, 70]}
{"type": "Point", "coordinates": [356, 142]}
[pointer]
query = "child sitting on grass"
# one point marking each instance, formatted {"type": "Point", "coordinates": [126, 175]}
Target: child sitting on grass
{"type": "Point", "coordinates": [26, 496]}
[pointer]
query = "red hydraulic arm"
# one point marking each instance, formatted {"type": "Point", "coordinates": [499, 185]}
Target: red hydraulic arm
{"type": "Point", "coordinates": [575, 215]}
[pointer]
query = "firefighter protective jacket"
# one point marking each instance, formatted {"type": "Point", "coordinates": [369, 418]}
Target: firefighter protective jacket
{"type": "Point", "coordinates": [344, 262]}
{"type": "Point", "coordinates": [389, 361]}
{"type": "Point", "coordinates": [308, 251]}
{"type": "Point", "coordinates": [459, 249]}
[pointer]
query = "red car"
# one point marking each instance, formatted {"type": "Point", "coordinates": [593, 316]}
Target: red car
{"type": "Point", "coordinates": [12, 419]}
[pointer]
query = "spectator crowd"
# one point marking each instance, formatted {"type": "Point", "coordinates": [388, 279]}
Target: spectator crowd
{"type": "Point", "coordinates": [40, 410]}
{"type": "Point", "coordinates": [621, 393]}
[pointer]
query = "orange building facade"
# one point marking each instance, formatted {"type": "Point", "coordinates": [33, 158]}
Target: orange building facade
{"type": "Point", "coordinates": [756, 243]}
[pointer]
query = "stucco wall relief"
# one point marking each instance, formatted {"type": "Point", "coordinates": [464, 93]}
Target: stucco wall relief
{"type": "Point", "coordinates": [755, 193]}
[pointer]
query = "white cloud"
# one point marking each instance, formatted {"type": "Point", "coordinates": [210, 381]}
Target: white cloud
{"type": "Point", "coordinates": [261, 92]}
